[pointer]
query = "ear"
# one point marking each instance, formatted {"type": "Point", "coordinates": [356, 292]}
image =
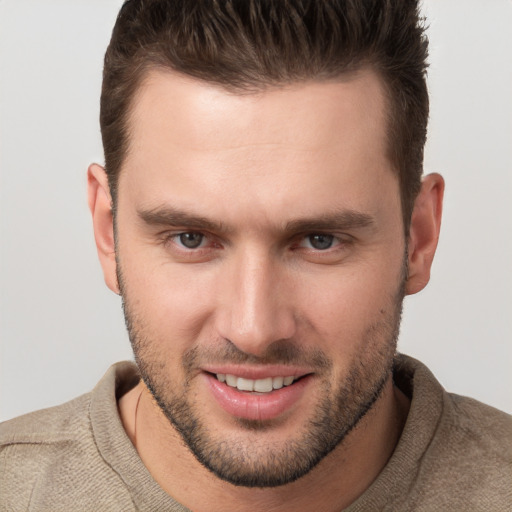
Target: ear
{"type": "Point", "coordinates": [424, 232]}
{"type": "Point", "coordinates": [100, 204]}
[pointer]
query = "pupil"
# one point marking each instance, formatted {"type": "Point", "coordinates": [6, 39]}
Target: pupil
{"type": "Point", "coordinates": [321, 242]}
{"type": "Point", "coordinates": [191, 240]}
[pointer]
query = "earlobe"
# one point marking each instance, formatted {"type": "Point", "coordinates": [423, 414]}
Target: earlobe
{"type": "Point", "coordinates": [424, 232]}
{"type": "Point", "coordinates": [100, 205]}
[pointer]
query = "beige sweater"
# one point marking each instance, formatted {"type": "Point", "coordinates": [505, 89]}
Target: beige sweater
{"type": "Point", "coordinates": [455, 454]}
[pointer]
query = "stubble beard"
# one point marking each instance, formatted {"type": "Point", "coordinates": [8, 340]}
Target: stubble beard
{"type": "Point", "coordinates": [249, 460]}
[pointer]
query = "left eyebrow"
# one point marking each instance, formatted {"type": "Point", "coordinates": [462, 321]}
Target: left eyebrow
{"type": "Point", "coordinates": [344, 220]}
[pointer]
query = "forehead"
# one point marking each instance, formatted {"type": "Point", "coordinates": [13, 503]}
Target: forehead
{"type": "Point", "coordinates": [190, 141]}
{"type": "Point", "coordinates": [190, 110]}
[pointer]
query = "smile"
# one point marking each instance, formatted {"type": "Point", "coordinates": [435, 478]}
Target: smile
{"type": "Point", "coordinates": [262, 398]}
{"type": "Point", "coordinates": [255, 385]}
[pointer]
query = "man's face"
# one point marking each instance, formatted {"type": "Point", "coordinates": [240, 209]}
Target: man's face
{"type": "Point", "coordinates": [259, 236]}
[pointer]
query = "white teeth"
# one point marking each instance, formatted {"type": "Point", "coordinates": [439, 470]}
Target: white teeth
{"type": "Point", "coordinates": [245, 384]}
{"type": "Point", "coordinates": [231, 380]}
{"type": "Point", "coordinates": [259, 385]}
{"type": "Point", "coordinates": [277, 382]}
{"type": "Point", "coordinates": [263, 385]}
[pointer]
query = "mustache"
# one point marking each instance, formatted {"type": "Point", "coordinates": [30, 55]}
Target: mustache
{"type": "Point", "coordinates": [277, 353]}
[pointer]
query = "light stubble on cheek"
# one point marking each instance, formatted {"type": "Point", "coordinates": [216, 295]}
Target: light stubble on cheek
{"type": "Point", "coordinates": [252, 455]}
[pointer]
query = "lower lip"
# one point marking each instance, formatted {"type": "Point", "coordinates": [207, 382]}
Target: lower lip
{"type": "Point", "coordinates": [253, 406]}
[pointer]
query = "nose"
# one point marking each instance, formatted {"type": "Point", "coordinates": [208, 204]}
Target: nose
{"type": "Point", "coordinates": [256, 307]}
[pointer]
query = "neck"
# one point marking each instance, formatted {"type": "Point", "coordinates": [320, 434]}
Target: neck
{"type": "Point", "coordinates": [337, 481]}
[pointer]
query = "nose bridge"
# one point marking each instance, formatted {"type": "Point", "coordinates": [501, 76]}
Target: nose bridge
{"type": "Point", "coordinates": [257, 311]}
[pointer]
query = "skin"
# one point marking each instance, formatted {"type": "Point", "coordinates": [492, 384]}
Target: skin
{"type": "Point", "coordinates": [263, 173]}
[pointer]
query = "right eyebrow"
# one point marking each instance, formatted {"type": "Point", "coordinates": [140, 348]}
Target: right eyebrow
{"type": "Point", "coordinates": [169, 216]}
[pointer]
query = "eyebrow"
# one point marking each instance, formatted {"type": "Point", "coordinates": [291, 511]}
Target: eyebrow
{"type": "Point", "coordinates": [336, 221]}
{"type": "Point", "coordinates": [170, 216]}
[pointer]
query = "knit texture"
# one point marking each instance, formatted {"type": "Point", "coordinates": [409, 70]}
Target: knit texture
{"type": "Point", "coordinates": [454, 454]}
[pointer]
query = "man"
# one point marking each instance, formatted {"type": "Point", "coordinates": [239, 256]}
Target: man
{"type": "Point", "coordinates": [262, 213]}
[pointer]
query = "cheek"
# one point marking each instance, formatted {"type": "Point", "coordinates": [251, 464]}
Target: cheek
{"type": "Point", "coordinates": [170, 303]}
{"type": "Point", "coordinates": [342, 307]}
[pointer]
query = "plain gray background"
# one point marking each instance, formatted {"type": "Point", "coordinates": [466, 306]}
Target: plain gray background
{"type": "Point", "coordinates": [60, 328]}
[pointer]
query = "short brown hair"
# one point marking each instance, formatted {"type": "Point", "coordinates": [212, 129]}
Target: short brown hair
{"type": "Point", "coordinates": [246, 45]}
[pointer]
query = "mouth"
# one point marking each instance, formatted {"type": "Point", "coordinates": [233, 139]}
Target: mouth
{"type": "Point", "coordinates": [262, 398]}
{"type": "Point", "coordinates": [265, 385]}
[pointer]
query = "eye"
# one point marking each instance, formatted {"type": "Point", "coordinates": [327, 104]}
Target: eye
{"type": "Point", "coordinates": [190, 240]}
{"type": "Point", "coordinates": [319, 242]}
{"type": "Point", "coordinates": [191, 246]}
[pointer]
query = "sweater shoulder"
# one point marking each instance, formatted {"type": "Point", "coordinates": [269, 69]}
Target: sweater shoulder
{"type": "Point", "coordinates": [47, 453]}
{"type": "Point", "coordinates": [478, 427]}
{"type": "Point", "coordinates": [469, 462]}
{"type": "Point", "coordinates": [62, 423]}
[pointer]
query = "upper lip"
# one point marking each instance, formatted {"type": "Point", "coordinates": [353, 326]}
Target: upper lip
{"type": "Point", "coordinates": [257, 372]}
